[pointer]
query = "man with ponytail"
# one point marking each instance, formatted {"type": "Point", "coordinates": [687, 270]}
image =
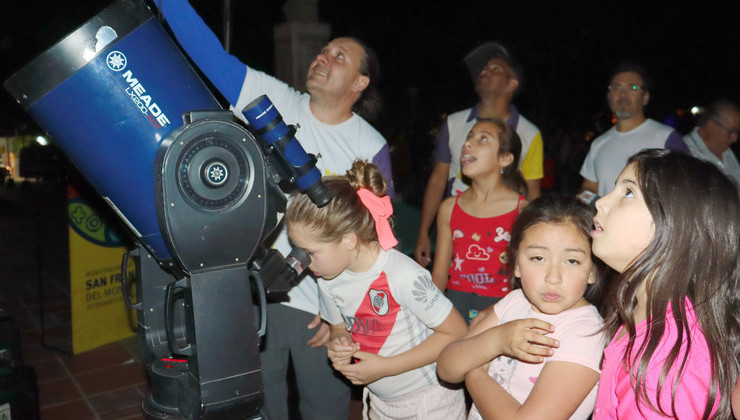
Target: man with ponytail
{"type": "Point", "coordinates": [340, 81]}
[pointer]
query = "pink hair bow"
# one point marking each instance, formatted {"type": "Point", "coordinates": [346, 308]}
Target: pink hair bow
{"type": "Point", "coordinates": [381, 209]}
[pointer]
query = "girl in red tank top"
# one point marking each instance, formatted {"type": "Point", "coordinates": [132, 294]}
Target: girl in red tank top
{"type": "Point", "coordinates": [474, 228]}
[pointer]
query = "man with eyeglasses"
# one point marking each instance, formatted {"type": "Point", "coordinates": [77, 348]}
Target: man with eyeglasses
{"type": "Point", "coordinates": [497, 77]}
{"type": "Point", "coordinates": [718, 128]}
{"type": "Point", "coordinates": [628, 94]}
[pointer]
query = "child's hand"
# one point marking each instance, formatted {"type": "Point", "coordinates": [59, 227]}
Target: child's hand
{"type": "Point", "coordinates": [422, 250]}
{"type": "Point", "coordinates": [340, 351]}
{"type": "Point", "coordinates": [526, 339]}
{"type": "Point", "coordinates": [367, 368]}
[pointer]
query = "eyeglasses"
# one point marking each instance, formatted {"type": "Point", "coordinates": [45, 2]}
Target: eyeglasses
{"type": "Point", "coordinates": [730, 131]}
{"type": "Point", "coordinates": [627, 88]}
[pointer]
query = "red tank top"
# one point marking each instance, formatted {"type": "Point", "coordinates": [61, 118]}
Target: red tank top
{"type": "Point", "coordinates": [479, 252]}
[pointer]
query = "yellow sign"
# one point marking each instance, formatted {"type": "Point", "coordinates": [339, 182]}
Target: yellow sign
{"type": "Point", "coordinates": [99, 315]}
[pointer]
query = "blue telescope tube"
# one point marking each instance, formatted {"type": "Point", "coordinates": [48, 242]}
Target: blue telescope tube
{"type": "Point", "coordinates": [109, 93]}
{"type": "Point", "coordinates": [268, 123]}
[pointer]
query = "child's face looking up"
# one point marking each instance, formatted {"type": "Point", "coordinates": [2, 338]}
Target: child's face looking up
{"type": "Point", "coordinates": [623, 226]}
{"type": "Point", "coordinates": [554, 265]}
{"type": "Point", "coordinates": [480, 152]}
{"type": "Point", "coordinates": [328, 259]}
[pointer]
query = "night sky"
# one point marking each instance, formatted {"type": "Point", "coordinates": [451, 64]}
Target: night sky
{"type": "Point", "coordinates": [567, 49]}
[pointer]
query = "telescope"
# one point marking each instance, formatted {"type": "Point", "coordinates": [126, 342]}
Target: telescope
{"type": "Point", "coordinates": [199, 192]}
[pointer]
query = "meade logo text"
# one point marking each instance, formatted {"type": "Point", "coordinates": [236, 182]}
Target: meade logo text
{"type": "Point", "coordinates": [144, 102]}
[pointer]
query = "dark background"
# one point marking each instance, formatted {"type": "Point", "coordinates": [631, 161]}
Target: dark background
{"type": "Point", "coordinates": [567, 49]}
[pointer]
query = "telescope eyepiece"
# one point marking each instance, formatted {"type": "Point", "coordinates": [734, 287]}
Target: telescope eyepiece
{"type": "Point", "coordinates": [280, 142]}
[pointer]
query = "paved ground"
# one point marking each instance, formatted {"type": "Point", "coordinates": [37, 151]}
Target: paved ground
{"type": "Point", "coordinates": [104, 383]}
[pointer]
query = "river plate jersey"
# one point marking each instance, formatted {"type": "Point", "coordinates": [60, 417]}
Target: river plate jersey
{"type": "Point", "coordinates": [388, 309]}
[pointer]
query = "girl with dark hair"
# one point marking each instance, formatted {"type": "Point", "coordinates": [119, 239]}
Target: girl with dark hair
{"type": "Point", "coordinates": [473, 228]}
{"type": "Point", "coordinates": [388, 320]}
{"type": "Point", "coordinates": [544, 340]}
{"type": "Point", "coordinates": [670, 229]}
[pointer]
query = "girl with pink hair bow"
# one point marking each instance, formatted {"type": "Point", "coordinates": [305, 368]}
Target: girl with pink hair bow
{"type": "Point", "coordinates": [388, 320]}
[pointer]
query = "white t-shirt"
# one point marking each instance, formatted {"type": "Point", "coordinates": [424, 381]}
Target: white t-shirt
{"type": "Point", "coordinates": [339, 145]}
{"type": "Point", "coordinates": [610, 151]}
{"type": "Point", "coordinates": [389, 309]}
{"type": "Point", "coordinates": [581, 342]}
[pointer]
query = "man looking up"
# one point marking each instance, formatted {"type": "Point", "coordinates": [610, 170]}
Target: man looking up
{"type": "Point", "coordinates": [628, 93]}
{"type": "Point", "coordinates": [496, 76]}
{"type": "Point", "coordinates": [338, 81]}
{"type": "Point", "coordinates": [711, 140]}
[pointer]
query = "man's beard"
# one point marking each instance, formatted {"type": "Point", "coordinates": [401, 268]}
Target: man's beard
{"type": "Point", "coordinates": [622, 114]}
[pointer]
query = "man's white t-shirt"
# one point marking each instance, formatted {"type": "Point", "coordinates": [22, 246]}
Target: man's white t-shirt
{"type": "Point", "coordinates": [335, 146]}
{"type": "Point", "coordinates": [610, 151]}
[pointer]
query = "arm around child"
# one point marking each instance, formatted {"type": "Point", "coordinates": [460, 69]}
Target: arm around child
{"type": "Point", "coordinates": [559, 389]}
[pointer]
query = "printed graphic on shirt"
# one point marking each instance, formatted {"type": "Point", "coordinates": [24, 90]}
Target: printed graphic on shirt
{"type": "Point", "coordinates": [482, 279]}
{"type": "Point", "coordinates": [425, 291]}
{"type": "Point", "coordinates": [475, 252]}
{"type": "Point", "coordinates": [379, 301]}
{"type": "Point", "coordinates": [374, 319]}
{"type": "Point", "coordinates": [338, 300]}
{"type": "Point", "coordinates": [502, 370]}
{"type": "Point", "coordinates": [502, 235]}
{"type": "Point", "coordinates": [458, 262]}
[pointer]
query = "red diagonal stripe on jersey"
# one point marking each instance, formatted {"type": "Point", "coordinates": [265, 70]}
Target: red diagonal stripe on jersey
{"type": "Point", "coordinates": [375, 317]}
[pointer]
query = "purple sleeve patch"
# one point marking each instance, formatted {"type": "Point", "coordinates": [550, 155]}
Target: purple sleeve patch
{"type": "Point", "coordinates": [382, 160]}
{"type": "Point", "coordinates": [675, 143]}
{"type": "Point", "coordinates": [442, 150]}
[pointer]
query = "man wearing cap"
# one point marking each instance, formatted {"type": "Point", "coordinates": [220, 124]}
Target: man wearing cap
{"type": "Point", "coordinates": [496, 76]}
{"type": "Point", "coordinates": [628, 94]}
{"type": "Point", "coordinates": [711, 140]}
